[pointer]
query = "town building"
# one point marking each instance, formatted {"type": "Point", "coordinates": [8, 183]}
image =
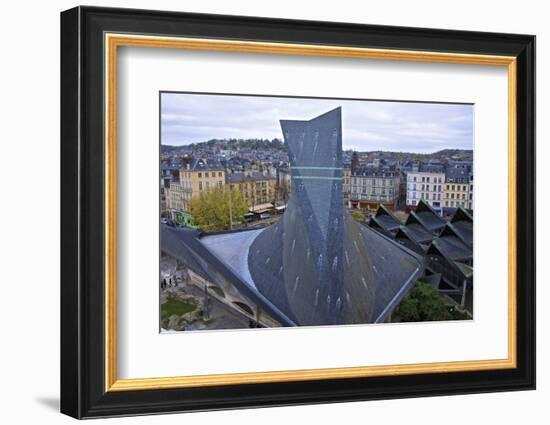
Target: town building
{"type": "Point", "coordinates": [283, 187]}
{"type": "Point", "coordinates": [458, 187]}
{"type": "Point", "coordinates": [177, 203]}
{"type": "Point", "coordinates": [371, 187]}
{"type": "Point", "coordinates": [425, 182]}
{"type": "Point", "coordinates": [258, 190]}
{"type": "Point", "coordinates": [471, 194]}
{"type": "Point", "coordinates": [198, 176]}
{"type": "Point", "coordinates": [168, 173]}
{"type": "Point", "coordinates": [347, 181]}
{"type": "Point", "coordinates": [202, 175]}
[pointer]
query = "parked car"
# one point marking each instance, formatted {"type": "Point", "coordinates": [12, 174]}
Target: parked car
{"type": "Point", "coordinates": [264, 216]}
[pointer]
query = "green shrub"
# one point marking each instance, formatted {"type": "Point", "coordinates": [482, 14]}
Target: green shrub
{"type": "Point", "coordinates": [424, 304]}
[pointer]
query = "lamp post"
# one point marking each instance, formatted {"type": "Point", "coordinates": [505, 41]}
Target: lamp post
{"type": "Point", "coordinates": [230, 203]}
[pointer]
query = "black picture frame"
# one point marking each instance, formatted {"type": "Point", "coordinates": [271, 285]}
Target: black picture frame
{"type": "Point", "coordinates": [83, 392]}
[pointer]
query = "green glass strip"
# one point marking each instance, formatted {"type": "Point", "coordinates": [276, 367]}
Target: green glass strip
{"type": "Point", "coordinates": [316, 168]}
{"type": "Point", "coordinates": [316, 178]}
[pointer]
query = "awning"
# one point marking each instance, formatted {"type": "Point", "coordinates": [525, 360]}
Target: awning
{"type": "Point", "coordinates": [258, 209]}
{"type": "Point", "coordinates": [280, 208]}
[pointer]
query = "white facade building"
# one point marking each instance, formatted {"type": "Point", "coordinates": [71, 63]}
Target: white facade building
{"type": "Point", "coordinates": [426, 185]}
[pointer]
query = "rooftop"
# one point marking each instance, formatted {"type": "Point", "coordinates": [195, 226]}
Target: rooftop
{"type": "Point", "coordinates": [201, 164]}
{"type": "Point", "coordinates": [374, 172]}
{"type": "Point", "coordinates": [249, 176]}
{"type": "Point", "coordinates": [457, 175]}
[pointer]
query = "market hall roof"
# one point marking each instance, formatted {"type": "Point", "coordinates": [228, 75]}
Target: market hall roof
{"type": "Point", "coordinates": [407, 236]}
{"type": "Point", "coordinates": [417, 229]}
{"type": "Point", "coordinates": [462, 225]}
{"type": "Point", "coordinates": [453, 247]}
{"type": "Point", "coordinates": [385, 220]}
{"type": "Point", "coordinates": [427, 217]}
{"type": "Point", "coordinates": [457, 255]}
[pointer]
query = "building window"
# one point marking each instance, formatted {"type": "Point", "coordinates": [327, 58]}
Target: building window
{"type": "Point", "coordinates": [200, 175]}
{"type": "Point", "coordinates": [206, 175]}
{"type": "Point", "coordinates": [200, 186]}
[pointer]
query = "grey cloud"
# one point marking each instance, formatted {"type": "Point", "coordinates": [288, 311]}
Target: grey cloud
{"type": "Point", "coordinates": [367, 125]}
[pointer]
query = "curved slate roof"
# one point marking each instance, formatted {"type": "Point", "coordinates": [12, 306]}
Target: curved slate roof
{"type": "Point", "coordinates": [317, 264]}
{"type": "Point", "coordinates": [186, 247]}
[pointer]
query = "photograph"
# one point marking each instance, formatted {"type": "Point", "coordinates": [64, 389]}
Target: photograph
{"type": "Point", "coordinates": [280, 211]}
{"type": "Point", "coordinates": [262, 211]}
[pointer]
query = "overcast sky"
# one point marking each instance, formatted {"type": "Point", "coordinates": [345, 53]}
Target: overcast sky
{"type": "Point", "coordinates": [366, 125]}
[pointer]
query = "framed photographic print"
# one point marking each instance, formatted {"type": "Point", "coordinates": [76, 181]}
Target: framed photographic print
{"type": "Point", "coordinates": [262, 212]}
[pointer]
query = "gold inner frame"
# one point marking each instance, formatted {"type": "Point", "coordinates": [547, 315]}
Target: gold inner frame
{"type": "Point", "coordinates": [113, 41]}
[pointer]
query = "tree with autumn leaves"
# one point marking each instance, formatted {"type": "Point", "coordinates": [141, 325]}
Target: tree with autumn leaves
{"type": "Point", "coordinates": [218, 209]}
